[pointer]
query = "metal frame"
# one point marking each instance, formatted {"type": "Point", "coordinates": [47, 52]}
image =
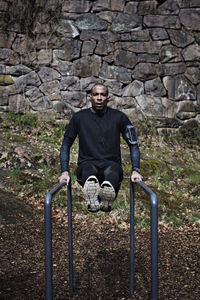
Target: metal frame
{"type": "Point", "coordinates": [48, 239]}
{"type": "Point", "coordinates": [154, 239]}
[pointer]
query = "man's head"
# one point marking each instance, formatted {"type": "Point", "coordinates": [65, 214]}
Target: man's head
{"type": "Point", "coordinates": [99, 97]}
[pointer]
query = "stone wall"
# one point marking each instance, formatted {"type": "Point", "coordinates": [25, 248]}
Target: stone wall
{"type": "Point", "coordinates": [146, 52]}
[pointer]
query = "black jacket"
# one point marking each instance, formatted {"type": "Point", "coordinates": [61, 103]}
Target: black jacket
{"type": "Point", "coordinates": [99, 138]}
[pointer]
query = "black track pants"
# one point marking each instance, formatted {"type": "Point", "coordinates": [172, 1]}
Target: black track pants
{"type": "Point", "coordinates": [112, 173]}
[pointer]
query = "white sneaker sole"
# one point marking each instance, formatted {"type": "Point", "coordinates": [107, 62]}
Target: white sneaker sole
{"type": "Point", "coordinates": [107, 195]}
{"type": "Point", "coordinates": [91, 191]}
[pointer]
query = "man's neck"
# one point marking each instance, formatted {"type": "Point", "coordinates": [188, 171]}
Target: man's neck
{"type": "Point", "coordinates": [98, 112]}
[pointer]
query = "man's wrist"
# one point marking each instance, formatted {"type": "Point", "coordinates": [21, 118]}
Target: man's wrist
{"type": "Point", "coordinates": [65, 173]}
{"type": "Point", "coordinates": [136, 169]}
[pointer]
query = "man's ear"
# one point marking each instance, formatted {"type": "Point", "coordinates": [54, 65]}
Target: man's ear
{"type": "Point", "coordinates": [89, 97]}
{"type": "Point", "coordinates": [110, 98]}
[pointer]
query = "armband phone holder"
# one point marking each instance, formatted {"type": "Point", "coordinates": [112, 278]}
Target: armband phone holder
{"type": "Point", "coordinates": [131, 134]}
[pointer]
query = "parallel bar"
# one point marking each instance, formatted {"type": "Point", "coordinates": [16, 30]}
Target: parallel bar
{"type": "Point", "coordinates": [70, 243]}
{"type": "Point", "coordinates": [132, 240]}
{"type": "Point", "coordinates": [154, 238]}
{"type": "Point", "coordinates": [48, 240]}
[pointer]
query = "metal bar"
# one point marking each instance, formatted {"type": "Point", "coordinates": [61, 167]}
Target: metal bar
{"type": "Point", "coordinates": [48, 240]}
{"type": "Point", "coordinates": [70, 244]}
{"type": "Point", "coordinates": [154, 238]}
{"type": "Point", "coordinates": [132, 240]}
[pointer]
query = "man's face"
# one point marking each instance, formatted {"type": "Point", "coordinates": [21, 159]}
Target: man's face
{"type": "Point", "coordinates": [99, 98]}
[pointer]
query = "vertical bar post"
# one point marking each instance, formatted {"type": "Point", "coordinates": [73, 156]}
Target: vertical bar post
{"type": "Point", "coordinates": [70, 243]}
{"type": "Point", "coordinates": [154, 247]}
{"type": "Point", "coordinates": [48, 240]}
{"type": "Point", "coordinates": [154, 238]}
{"type": "Point", "coordinates": [132, 266]}
{"type": "Point", "coordinates": [48, 247]}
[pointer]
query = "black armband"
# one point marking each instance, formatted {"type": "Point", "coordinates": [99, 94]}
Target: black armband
{"type": "Point", "coordinates": [131, 134]}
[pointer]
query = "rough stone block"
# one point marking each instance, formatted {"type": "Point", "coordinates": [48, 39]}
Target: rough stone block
{"type": "Point", "coordinates": [42, 104]}
{"type": "Point", "coordinates": [63, 67]}
{"type": "Point", "coordinates": [4, 96]}
{"type": "Point", "coordinates": [186, 115]}
{"type": "Point", "coordinates": [192, 53]}
{"type": "Point", "coordinates": [126, 23]}
{"type": "Point", "coordinates": [159, 34]}
{"type": "Point", "coordinates": [140, 35]}
{"type": "Point", "coordinates": [90, 22]}
{"type": "Point", "coordinates": [171, 69]}
{"type": "Point", "coordinates": [190, 18]}
{"type": "Point", "coordinates": [70, 83]}
{"type": "Point", "coordinates": [145, 71]}
{"type": "Point", "coordinates": [6, 39]}
{"type": "Point", "coordinates": [193, 74]}
{"type": "Point", "coordinates": [180, 38]}
{"type": "Point", "coordinates": [78, 6]}
{"type": "Point", "coordinates": [22, 44]}
{"type": "Point", "coordinates": [9, 57]}
{"type": "Point", "coordinates": [33, 94]}
{"type": "Point", "coordinates": [147, 7]}
{"type": "Point", "coordinates": [48, 74]}
{"type": "Point", "coordinates": [87, 83]}
{"type": "Point", "coordinates": [151, 47]}
{"type": "Point", "coordinates": [6, 80]}
{"type": "Point", "coordinates": [163, 21]}
{"type": "Point", "coordinates": [108, 16]}
{"type": "Point", "coordinates": [117, 5]}
{"type": "Point", "coordinates": [115, 73]}
{"type": "Point", "coordinates": [44, 56]}
{"type": "Point", "coordinates": [100, 5]}
{"type": "Point", "coordinates": [50, 87]}
{"type": "Point", "coordinates": [169, 7]}
{"type": "Point", "coordinates": [103, 48]}
{"type": "Point", "coordinates": [18, 70]}
{"type": "Point", "coordinates": [31, 79]}
{"type": "Point", "coordinates": [125, 59]}
{"type": "Point", "coordinates": [188, 3]}
{"type": "Point", "coordinates": [170, 53]}
{"type": "Point", "coordinates": [135, 88]}
{"type": "Point", "coordinates": [150, 106]}
{"type": "Point", "coordinates": [87, 66]}
{"type": "Point", "coordinates": [67, 28]}
{"type": "Point", "coordinates": [18, 103]}
{"type": "Point", "coordinates": [148, 58]}
{"type": "Point", "coordinates": [74, 98]}
{"type": "Point", "coordinates": [114, 87]}
{"type": "Point", "coordinates": [155, 87]}
{"type": "Point", "coordinates": [88, 48]}
{"type": "Point", "coordinates": [48, 41]}
{"type": "Point", "coordinates": [179, 88]}
{"type": "Point", "coordinates": [131, 8]}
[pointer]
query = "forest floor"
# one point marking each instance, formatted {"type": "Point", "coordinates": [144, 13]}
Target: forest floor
{"type": "Point", "coordinates": [100, 241]}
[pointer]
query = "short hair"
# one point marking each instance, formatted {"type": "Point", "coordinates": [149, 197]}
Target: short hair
{"type": "Point", "coordinates": [101, 85]}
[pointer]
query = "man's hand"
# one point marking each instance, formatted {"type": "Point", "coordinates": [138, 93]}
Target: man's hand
{"type": "Point", "coordinates": [135, 176]}
{"type": "Point", "coordinates": [65, 177]}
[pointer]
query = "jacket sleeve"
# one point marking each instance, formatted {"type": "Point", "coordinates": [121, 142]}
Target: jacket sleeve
{"type": "Point", "coordinates": [69, 137]}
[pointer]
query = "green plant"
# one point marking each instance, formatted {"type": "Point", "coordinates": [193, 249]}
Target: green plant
{"type": "Point", "coordinates": [23, 120]}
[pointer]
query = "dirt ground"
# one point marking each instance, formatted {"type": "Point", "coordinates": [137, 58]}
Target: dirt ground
{"type": "Point", "coordinates": [101, 259]}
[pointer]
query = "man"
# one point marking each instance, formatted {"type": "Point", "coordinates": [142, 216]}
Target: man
{"type": "Point", "coordinates": [99, 162]}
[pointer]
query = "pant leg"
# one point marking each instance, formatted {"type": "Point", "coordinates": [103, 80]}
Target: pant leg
{"type": "Point", "coordinates": [85, 170]}
{"type": "Point", "coordinates": [114, 174]}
